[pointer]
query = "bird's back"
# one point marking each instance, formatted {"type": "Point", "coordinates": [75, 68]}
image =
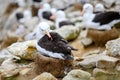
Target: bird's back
{"type": "Point", "coordinates": [106, 17]}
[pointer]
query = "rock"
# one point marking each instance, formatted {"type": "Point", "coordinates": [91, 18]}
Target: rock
{"type": "Point", "coordinates": [97, 51]}
{"type": "Point", "coordinates": [101, 74]}
{"type": "Point", "coordinates": [98, 60]}
{"type": "Point", "coordinates": [113, 47]}
{"type": "Point", "coordinates": [68, 32]}
{"type": "Point", "coordinates": [56, 67]}
{"type": "Point", "coordinates": [73, 15]}
{"type": "Point", "coordinates": [4, 54]}
{"type": "Point", "coordinates": [117, 25]}
{"type": "Point", "coordinates": [9, 68]}
{"type": "Point", "coordinates": [101, 37]}
{"type": "Point", "coordinates": [30, 23]}
{"type": "Point", "coordinates": [84, 40]}
{"type": "Point", "coordinates": [89, 61]}
{"type": "Point", "coordinates": [9, 39]}
{"type": "Point", "coordinates": [62, 4]}
{"type": "Point", "coordinates": [24, 71]}
{"type": "Point", "coordinates": [109, 4]}
{"type": "Point", "coordinates": [107, 63]}
{"type": "Point", "coordinates": [5, 4]}
{"type": "Point", "coordinates": [24, 50]}
{"type": "Point", "coordinates": [77, 74]}
{"type": "Point", "coordinates": [45, 76]}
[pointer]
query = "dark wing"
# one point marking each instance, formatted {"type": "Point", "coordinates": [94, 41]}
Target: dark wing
{"type": "Point", "coordinates": [58, 44]}
{"type": "Point", "coordinates": [63, 23]}
{"type": "Point", "coordinates": [106, 17]}
{"type": "Point", "coordinates": [97, 12]}
{"type": "Point", "coordinates": [37, 0]}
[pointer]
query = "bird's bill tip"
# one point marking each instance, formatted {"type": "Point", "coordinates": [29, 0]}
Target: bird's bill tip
{"type": "Point", "coordinates": [48, 34]}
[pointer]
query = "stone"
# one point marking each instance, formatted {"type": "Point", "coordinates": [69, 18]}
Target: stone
{"type": "Point", "coordinates": [9, 68]}
{"type": "Point", "coordinates": [84, 39]}
{"type": "Point", "coordinates": [101, 37]}
{"type": "Point", "coordinates": [117, 25]}
{"type": "Point", "coordinates": [101, 74]}
{"type": "Point", "coordinates": [77, 74]}
{"type": "Point", "coordinates": [9, 39]}
{"type": "Point", "coordinates": [98, 60]}
{"type": "Point", "coordinates": [30, 23]}
{"type": "Point", "coordinates": [24, 50]}
{"type": "Point", "coordinates": [113, 47]}
{"type": "Point", "coordinates": [89, 61]}
{"type": "Point", "coordinates": [24, 71]}
{"type": "Point", "coordinates": [68, 32]}
{"type": "Point", "coordinates": [57, 67]}
{"type": "Point", "coordinates": [107, 63]}
{"type": "Point", "coordinates": [109, 4]}
{"type": "Point", "coordinates": [45, 76]}
{"type": "Point", "coordinates": [97, 51]}
{"type": "Point", "coordinates": [4, 54]}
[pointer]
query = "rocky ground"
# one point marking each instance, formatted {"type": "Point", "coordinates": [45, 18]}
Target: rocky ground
{"type": "Point", "coordinates": [19, 59]}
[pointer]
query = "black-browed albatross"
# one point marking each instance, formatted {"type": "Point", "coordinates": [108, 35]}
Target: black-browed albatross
{"type": "Point", "coordinates": [52, 44]}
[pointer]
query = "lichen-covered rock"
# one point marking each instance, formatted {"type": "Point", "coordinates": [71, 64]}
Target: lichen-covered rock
{"type": "Point", "coordinates": [117, 25]}
{"type": "Point", "coordinates": [56, 67]}
{"type": "Point", "coordinates": [24, 50]}
{"type": "Point", "coordinates": [68, 32]}
{"type": "Point", "coordinates": [113, 48]}
{"type": "Point", "coordinates": [45, 76]}
{"type": "Point", "coordinates": [77, 74]}
{"type": "Point", "coordinates": [101, 74]}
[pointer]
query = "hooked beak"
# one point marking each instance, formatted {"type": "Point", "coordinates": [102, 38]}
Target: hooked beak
{"type": "Point", "coordinates": [52, 17]}
{"type": "Point", "coordinates": [83, 11]}
{"type": "Point", "coordinates": [48, 34]}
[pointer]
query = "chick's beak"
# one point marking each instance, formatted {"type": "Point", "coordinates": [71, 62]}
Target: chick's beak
{"type": "Point", "coordinates": [83, 11]}
{"type": "Point", "coordinates": [48, 34]}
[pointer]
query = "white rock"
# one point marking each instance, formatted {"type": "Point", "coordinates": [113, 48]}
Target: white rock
{"type": "Point", "coordinates": [113, 47]}
{"type": "Point", "coordinates": [89, 61]}
{"type": "Point", "coordinates": [45, 76]}
{"type": "Point", "coordinates": [107, 63]}
{"type": "Point", "coordinates": [24, 50]}
{"type": "Point", "coordinates": [4, 54]}
{"type": "Point", "coordinates": [9, 68]}
{"type": "Point", "coordinates": [68, 32]}
{"type": "Point", "coordinates": [77, 74]}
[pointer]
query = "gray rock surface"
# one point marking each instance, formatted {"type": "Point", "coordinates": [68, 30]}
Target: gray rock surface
{"type": "Point", "coordinates": [24, 50]}
{"type": "Point", "coordinates": [68, 32]}
{"type": "Point", "coordinates": [77, 74]}
{"type": "Point", "coordinates": [45, 76]}
{"type": "Point", "coordinates": [113, 47]}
